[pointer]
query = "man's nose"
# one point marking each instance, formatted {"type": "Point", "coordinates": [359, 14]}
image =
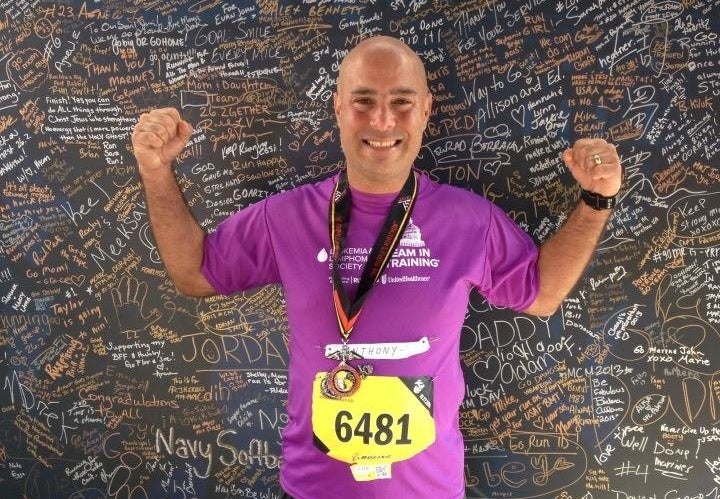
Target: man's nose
{"type": "Point", "coordinates": [382, 118]}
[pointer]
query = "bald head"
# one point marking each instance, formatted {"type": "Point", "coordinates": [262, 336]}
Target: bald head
{"type": "Point", "coordinates": [384, 48]}
{"type": "Point", "coordinates": [382, 105]}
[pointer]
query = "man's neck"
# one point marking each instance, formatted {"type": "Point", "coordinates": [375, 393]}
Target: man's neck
{"type": "Point", "coordinates": [380, 185]}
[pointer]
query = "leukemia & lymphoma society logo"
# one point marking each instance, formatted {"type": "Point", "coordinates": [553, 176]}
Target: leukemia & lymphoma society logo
{"type": "Point", "coordinates": [411, 253]}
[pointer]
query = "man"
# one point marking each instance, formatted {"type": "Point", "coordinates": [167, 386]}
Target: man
{"type": "Point", "coordinates": [375, 381]}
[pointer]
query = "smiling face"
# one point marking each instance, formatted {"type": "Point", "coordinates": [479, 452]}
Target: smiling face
{"type": "Point", "coordinates": [382, 105]}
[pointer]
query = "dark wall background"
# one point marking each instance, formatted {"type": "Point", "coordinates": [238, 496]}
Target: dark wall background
{"type": "Point", "coordinates": [114, 386]}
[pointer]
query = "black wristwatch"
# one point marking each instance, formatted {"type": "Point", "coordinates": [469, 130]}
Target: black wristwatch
{"type": "Point", "coordinates": [597, 201]}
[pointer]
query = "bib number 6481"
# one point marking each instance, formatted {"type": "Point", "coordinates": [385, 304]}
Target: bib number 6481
{"type": "Point", "coordinates": [389, 419]}
{"type": "Point", "coordinates": [383, 429]}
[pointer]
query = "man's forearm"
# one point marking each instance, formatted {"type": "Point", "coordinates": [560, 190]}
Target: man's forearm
{"type": "Point", "coordinates": [564, 257]}
{"type": "Point", "coordinates": [178, 236]}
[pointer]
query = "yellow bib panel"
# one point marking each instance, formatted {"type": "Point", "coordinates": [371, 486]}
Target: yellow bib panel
{"type": "Point", "coordinates": [389, 419]}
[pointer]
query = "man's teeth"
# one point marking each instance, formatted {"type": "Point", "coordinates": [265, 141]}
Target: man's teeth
{"type": "Point", "coordinates": [388, 143]}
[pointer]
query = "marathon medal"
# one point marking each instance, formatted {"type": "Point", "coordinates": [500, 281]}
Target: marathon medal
{"type": "Point", "coordinates": [341, 382]}
{"type": "Point", "coordinates": [345, 379]}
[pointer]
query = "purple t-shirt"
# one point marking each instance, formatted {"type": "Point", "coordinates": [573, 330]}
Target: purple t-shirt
{"type": "Point", "coordinates": [454, 241]}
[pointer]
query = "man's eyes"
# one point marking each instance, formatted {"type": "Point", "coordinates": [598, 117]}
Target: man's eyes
{"type": "Point", "coordinates": [396, 102]}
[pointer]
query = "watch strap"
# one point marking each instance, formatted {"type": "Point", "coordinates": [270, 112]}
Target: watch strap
{"type": "Point", "coordinates": [597, 201]}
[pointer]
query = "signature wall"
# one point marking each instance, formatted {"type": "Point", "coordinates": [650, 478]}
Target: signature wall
{"type": "Point", "coordinates": [114, 386]}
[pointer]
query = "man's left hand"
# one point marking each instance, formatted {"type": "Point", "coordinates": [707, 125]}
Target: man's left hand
{"type": "Point", "coordinates": [595, 165]}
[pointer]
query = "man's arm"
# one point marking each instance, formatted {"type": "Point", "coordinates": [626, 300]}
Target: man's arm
{"type": "Point", "coordinates": [157, 139]}
{"type": "Point", "coordinates": [595, 165]}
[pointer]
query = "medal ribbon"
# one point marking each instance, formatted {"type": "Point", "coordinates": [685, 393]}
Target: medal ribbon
{"type": "Point", "coordinates": [385, 244]}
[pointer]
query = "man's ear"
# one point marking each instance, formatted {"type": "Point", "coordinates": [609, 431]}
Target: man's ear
{"type": "Point", "coordinates": [428, 106]}
{"type": "Point", "coordinates": [336, 104]}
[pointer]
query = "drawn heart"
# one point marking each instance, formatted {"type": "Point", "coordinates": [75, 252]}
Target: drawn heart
{"type": "Point", "coordinates": [611, 401]}
{"type": "Point", "coordinates": [77, 280]}
{"type": "Point", "coordinates": [488, 369]}
{"type": "Point", "coordinates": [518, 115]}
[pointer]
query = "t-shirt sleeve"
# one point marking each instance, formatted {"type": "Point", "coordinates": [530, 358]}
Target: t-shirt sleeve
{"type": "Point", "coordinates": [510, 278]}
{"type": "Point", "coordinates": [239, 254]}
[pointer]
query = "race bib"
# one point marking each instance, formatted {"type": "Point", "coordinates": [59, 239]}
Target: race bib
{"type": "Point", "coordinates": [389, 419]}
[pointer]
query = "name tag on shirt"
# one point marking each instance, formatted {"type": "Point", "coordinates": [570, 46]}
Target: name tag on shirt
{"type": "Point", "coordinates": [381, 351]}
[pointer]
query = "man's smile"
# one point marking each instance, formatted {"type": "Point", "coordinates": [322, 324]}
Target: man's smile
{"type": "Point", "coordinates": [381, 144]}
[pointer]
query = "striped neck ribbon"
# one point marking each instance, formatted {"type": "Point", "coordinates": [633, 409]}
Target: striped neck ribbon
{"type": "Point", "coordinates": [387, 240]}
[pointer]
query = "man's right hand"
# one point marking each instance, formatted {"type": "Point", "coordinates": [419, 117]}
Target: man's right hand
{"type": "Point", "coordinates": [158, 137]}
